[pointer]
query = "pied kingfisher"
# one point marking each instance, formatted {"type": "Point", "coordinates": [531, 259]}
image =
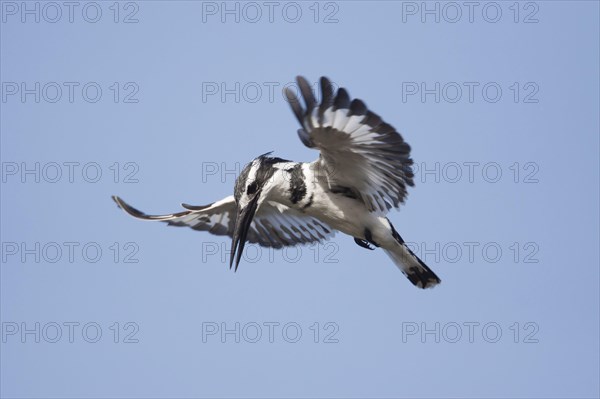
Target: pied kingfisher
{"type": "Point", "coordinates": [362, 172]}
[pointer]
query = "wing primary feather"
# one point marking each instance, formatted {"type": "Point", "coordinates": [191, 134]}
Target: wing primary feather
{"type": "Point", "coordinates": [305, 138]}
{"type": "Point", "coordinates": [141, 215]}
{"type": "Point", "coordinates": [327, 97]}
{"type": "Point", "coordinates": [342, 100]}
{"type": "Point", "coordinates": [372, 119]}
{"type": "Point", "coordinates": [307, 94]}
{"type": "Point", "coordinates": [386, 128]}
{"type": "Point", "coordinates": [196, 207]}
{"type": "Point", "coordinates": [357, 107]}
{"type": "Point", "coordinates": [295, 104]}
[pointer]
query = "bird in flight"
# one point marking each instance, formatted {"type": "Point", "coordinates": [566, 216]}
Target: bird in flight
{"type": "Point", "coordinates": [362, 172]}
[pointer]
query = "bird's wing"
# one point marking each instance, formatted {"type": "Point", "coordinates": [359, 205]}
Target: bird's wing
{"type": "Point", "coordinates": [361, 155]}
{"type": "Point", "coordinates": [274, 225]}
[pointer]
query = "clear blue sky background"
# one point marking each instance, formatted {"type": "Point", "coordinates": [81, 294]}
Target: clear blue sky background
{"type": "Point", "coordinates": [173, 135]}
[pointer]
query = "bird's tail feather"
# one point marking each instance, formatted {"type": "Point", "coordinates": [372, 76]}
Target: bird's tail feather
{"type": "Point", "coordinates": [413, 268]}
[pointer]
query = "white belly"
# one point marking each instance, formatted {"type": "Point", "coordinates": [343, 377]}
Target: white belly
{"type": "Point", "coordinates": [347, 215]}
{"type": "Point", "coordinates": [344, 214]}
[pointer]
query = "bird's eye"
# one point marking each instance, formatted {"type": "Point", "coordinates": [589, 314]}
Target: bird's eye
{"type": "Point", "coordinates": [251, 188]}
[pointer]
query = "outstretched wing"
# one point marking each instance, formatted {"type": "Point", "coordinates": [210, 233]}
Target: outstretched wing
{"type": "Point", "coordinates": [274, 225]}
{"type": "Point", "coordinates": [361, 155]}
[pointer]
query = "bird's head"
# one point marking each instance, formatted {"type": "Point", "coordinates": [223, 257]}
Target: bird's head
{"type": "Point", "coordinates": [251, 189]}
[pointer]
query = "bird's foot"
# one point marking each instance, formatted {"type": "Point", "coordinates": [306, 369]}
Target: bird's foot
{"type": "Point", "coordinates": [364, 243]}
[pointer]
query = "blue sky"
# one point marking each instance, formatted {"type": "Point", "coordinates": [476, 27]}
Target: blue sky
{"type": "Point", "coordinates": [162, 102]}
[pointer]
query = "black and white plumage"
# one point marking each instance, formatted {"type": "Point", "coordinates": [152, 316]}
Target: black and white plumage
{"type": "Point", "coordinates": [362, 172]}
{"type": "Point", "coordinates": [276, 225]}
{"type": "Point", "coordinates": [358, 149]}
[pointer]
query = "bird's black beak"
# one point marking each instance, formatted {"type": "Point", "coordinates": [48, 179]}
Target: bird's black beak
{"type": "Point", "coordinates": [240, 231]}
